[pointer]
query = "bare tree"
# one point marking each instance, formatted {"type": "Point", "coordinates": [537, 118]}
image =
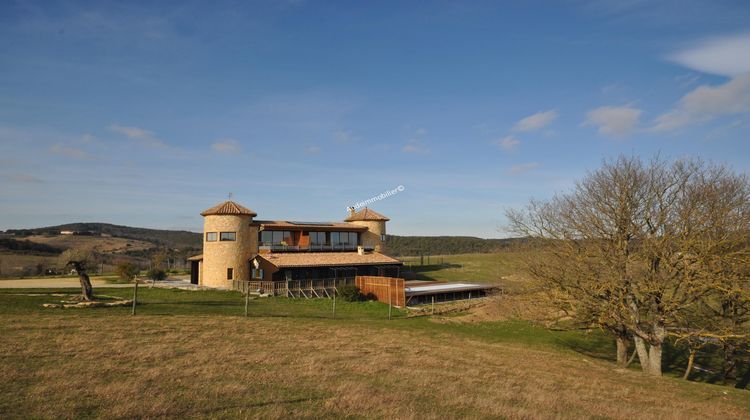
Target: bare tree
{"type": "Point", "coordinates": [635, 245]}
{"type": "Point", "coordinates": [80, 260]}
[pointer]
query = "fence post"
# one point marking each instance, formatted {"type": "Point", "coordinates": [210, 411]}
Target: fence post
{"type": "Point", "coordinates": [135, 295]}
{"type": "Point", "coordinates": [247, 298]}
{"type": "Point", "coordinates": [334, 298]}
{"type": "Point", "coordinates": [433, 304]}
{"type": "Point", "coordinates": [390, 298]}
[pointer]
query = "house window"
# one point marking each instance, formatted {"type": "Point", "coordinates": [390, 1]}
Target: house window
{"type": "Point", "coordinates": [228, 236]}
{"type": "Point", "coordinates": [265, 238]}
{"type": "Point", "coordinates": [210, 236]}
{"type": "Point", "coordinates": [230, 273]}
{"type": "Point", "coordinates": [276, 237]}
{"type": "Point", "coordinates": [257, 273]}
{"type": "Point", "coordinates": [317, 238]}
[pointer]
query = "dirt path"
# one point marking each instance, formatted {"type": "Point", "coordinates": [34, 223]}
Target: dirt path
{"type": "Point", "coordinates": [54, 283]}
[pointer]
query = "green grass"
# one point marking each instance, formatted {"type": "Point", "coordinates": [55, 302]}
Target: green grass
{"type": "Point", "coordinates": [170, 302]}
{"type": "Point", "coordinates": [488, 268]}
{"type": "Point", "coordinates": [173, 302]}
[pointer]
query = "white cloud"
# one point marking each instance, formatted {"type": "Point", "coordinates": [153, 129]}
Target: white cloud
{"type": "Point", "coordinates": [69, 151]}
{"type": "Point", "coordinates": [536, 121]}
{"type": "Point", "coordinates": [525, 167]}
{"type": "Point", "coordinates": [227, 146]}
{"type": "Point", "coordinates": [144, 137]}
{"type": "Point", "coordinates": [508, 142]}
{"type": "Point", "coordinates": [345, 136]}
{"type": "Point", "coordinates": [614, 120]}
{"type": "Point", "coordinates": [415, 144]}
{"type": "Point", "coordinates": [707, 102]}
{"type": "Point", "coordinates": [414, 147]}
{"type": "Point", "coordinates": [724, 56]}
{"type": "Point", "coordinates": [24, 179]}
{"type": "Point", "coordinates": [687, 79]}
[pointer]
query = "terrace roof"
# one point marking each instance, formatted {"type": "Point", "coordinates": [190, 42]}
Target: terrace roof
{"type": "Point", "coordinates": [324, 259]}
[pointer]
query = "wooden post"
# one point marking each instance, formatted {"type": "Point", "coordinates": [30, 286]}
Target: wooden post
{"type": "Point", "coordinates": [135, 296]}
{"type": "Point", "coordinates": [433, 304]}
{"type": "Point", "coordinates": [334, 298]}
{"type": "Point", "coordinates": [247, 298]}
{"type": "Point", "coordinates": [390, 303]}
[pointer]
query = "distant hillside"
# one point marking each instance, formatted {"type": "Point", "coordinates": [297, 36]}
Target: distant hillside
{"type": "Point", "coordinates": [444, 245]}
{"type": "Point", "coordinates": [166, 238]}
{"type": "Point", "coordinates": [397, 245]}
{"type": "Point", "coordinates": [27, 247]}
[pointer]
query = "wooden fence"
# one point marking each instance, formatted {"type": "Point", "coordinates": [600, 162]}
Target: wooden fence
{"type": "Point", "coordinates": [384, 289]}
{"type": "Point", "coordinates": [307, 288]}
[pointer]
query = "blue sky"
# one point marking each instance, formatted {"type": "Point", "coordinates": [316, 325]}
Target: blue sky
{"type": "Point", "coordinates": [145, 114]}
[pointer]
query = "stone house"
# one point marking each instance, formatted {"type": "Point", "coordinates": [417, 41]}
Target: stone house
{"type": "Point", "coordinates": [237, 249]}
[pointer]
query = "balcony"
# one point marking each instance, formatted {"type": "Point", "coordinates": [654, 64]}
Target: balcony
{"type": "Point", "coordinates": [310, 248]}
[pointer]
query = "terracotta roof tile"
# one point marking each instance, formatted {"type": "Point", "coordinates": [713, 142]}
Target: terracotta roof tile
{"type": "Point", "coordinates": [323, 259]}
{"type": "Point", "coordinates": [366, 215]}
{"type": "Point", "coordinates": [326, 226]}
{"type": "Point", "coordinates": [230, 208]}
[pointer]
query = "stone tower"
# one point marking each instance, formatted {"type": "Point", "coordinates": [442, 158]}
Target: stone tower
{"type": "Point", "coordinates": [229, 242]}
{"type": "Point", "coordinates": [375, 222]}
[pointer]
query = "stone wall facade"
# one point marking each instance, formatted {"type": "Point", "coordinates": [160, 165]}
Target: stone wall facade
{"type": "Point", "coordinates": [371, 238]}
{"type": "Point", "coordinates": [220, 255]}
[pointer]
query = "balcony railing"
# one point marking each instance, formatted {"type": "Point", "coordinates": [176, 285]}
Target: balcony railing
{"type": "Point", "coordinates": [310, 248]}
{"type": "Point", "coordinates": [308, 288]}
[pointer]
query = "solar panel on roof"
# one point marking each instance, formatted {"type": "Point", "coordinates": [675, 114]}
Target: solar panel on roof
{"type": "Point", "coordinates": [311, 223]}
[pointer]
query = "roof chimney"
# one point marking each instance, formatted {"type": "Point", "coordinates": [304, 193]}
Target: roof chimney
{"type": "Point", "coordinates": [351, 211]}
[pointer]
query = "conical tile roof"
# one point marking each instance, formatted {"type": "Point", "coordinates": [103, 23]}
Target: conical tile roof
{"type": "Point", "coordinates": [366, 215]}
{"type": "Point", "coordinates": [229, 208]}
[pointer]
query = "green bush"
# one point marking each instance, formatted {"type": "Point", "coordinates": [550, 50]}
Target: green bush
{"type": "Point", "coordinates": [156, 274]}
{"type": "Point", "coordinates": [126, 271]}
{"type": "Point", "coordinates": [350, 293]}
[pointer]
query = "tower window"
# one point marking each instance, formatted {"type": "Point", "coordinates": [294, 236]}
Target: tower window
{"type": "Point", "coordinates": [382, 237]}
{"type": "Point", "coordinates": [210, 236]}
{"type": "Point", "coordinates": [230, 273]}
{"type": "Point", "coordinates": [228, 236]}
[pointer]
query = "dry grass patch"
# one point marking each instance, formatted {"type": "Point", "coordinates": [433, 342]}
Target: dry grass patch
{"type": "Point", "coordinates": [68, 366]}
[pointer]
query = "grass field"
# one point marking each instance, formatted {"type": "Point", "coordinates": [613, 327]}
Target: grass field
{"type": "Point", "coordinates": [191, 353]}
{"type": "Point", "coordinates": [500, 268]}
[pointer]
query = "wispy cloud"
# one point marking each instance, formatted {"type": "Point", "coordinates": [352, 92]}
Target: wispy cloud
{"type": "Point", "coordinates": [507, 143]}
{"type": "Point", "coordinates": [614, 120]}
{"type": "Point", "coordinates": [312, 150]}
{"type": "Point", "coordinates": [226, 146]}
{"type": "Point", "coordinates": [707, 102]}
{"type": "Point", "coordinates": [24, 179]}
{"type": "Point", "coordinates": [524, 167]}
{"type": "Point", "coordinates": [724, 56]}
{"type": "Point", "coordinates": [415, 143]}
{"type": "Point", "coordinates": [67, 151]}
{"type": "Point", "coordinates": [536, 121]}
{"type": "Point", "coordinates": [142, 136]}
{"type": "Point", "coordinates": [687, 79]}
{"type": "Point", "coordinates": [346, 136]}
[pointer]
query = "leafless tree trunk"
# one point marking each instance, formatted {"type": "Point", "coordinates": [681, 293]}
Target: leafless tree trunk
{"type": "Point", "coordinates": [691, 360]}
{"type": "Point", "coordinates": [622, 351]}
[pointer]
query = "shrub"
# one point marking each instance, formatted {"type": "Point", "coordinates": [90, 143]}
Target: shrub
{"type": "Point", "coordinates": [350, 293]}
{"type": "Point", "coordinates": [156, 274]}
{"type": "Point", "coordinates": [126, 270]}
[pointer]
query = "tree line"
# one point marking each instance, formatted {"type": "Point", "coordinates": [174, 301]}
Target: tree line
{"type": "Point", "coordinates": [650, 252]}
{"type": "Point", "coordinates": [443, 245]}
